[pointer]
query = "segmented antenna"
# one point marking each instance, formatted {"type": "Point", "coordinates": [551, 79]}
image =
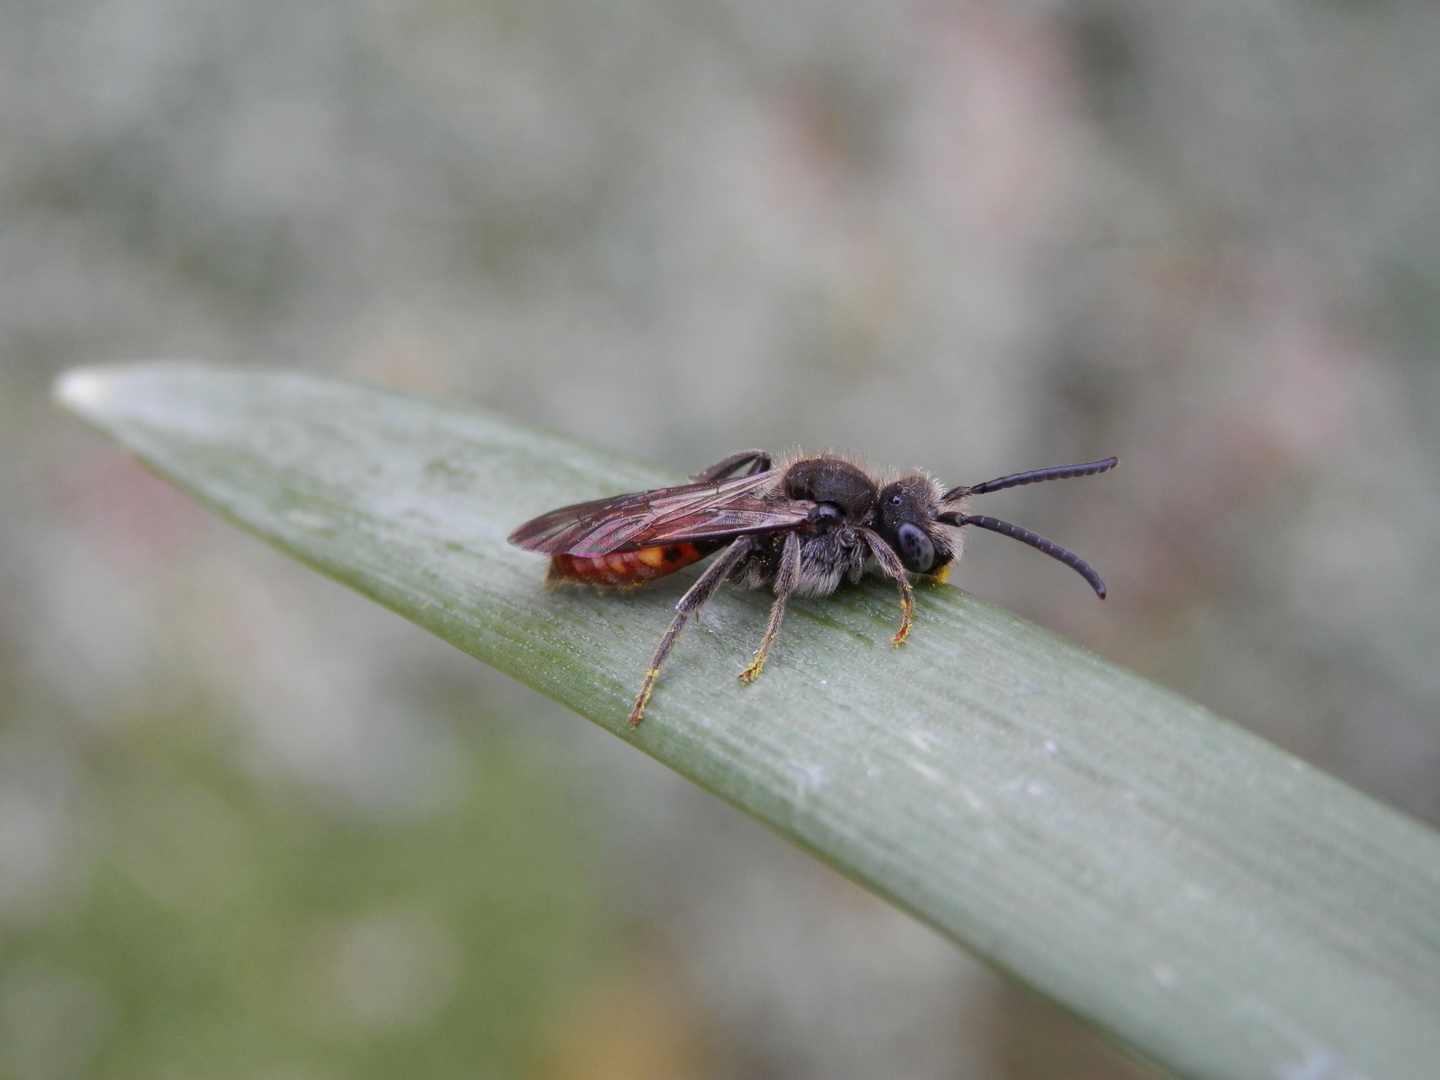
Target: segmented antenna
{"type": "Point", "coordinates": [1035, 540]}
{"type": "Point", "coordinates": [1034, 476]}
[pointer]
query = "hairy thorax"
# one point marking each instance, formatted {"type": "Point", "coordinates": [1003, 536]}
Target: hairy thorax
{"type": "Point", "coordinates": [832, 547]}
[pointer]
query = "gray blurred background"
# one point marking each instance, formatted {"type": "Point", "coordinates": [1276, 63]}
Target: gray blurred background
{"type": "Point", "coordinates": [252, 826]}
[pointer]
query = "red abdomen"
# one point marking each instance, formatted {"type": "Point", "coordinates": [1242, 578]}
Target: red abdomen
{"type": "Point", "coordinates": [624, 567]}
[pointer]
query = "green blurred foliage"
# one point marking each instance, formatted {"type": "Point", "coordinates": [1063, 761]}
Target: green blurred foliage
{"type": "Point", "coordinates": [226, 925]}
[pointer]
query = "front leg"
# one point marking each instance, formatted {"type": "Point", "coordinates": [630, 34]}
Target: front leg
{"type": "Point", "coordinates": [891, 565]}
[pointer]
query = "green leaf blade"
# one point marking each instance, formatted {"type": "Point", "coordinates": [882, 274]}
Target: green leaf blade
{"type": "Point", "coordinates": [1213, 902]}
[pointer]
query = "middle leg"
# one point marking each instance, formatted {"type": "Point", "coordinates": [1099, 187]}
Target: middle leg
{"type": "Point", "coordinates": [786, 580]}
{"type": "Point", "coordinates": [757, 460]}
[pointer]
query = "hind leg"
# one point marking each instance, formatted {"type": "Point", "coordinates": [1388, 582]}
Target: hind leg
{"type": "Point", "coordinates": [704, 588]}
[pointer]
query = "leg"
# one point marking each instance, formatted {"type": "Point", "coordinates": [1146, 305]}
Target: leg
{"type": "Point", "coordinates": [785, 581]}
{"type": "Point", "coordinates": [758, 460]}
{"type": "Point", "coordinates": [704, 588]}
{"type": "Point", "coordinates": [891, 565]}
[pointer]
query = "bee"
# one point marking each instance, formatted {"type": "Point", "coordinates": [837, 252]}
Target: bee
{"type": "Point", "coordinates": [801, 527]}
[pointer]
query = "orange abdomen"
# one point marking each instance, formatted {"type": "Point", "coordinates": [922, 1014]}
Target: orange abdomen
{"type": "Point", "coordinates": [624, 567]}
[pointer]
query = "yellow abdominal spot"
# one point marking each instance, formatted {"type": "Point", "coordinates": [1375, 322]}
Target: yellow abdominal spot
{"type": "Point", "coordinates": [652, 557]}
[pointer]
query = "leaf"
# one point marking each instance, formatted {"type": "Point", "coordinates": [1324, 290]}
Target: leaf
{"type": "Point", "coordinates": [1219, 906]}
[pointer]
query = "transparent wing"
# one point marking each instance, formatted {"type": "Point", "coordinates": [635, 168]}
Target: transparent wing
{"type": "Point", "coordinates": [704, 511]}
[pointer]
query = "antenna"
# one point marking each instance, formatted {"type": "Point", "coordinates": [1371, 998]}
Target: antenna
{"type": "Point", "coordinates": [1034, 476]}
{"type": "Point", "coordinates": [1035, 540]}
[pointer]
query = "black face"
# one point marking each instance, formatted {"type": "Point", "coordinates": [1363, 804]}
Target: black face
{"type": "Point", "coordinates": [844, 493]}
{"type": "Point", "coordinates": [905, 519]}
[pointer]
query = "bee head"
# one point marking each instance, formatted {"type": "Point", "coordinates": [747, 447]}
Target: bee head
{"type": "Point", "coordinates": [905, 519]}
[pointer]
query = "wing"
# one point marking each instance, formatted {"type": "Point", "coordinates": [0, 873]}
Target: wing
{"type": "Point", "coordinates": [705, 511]}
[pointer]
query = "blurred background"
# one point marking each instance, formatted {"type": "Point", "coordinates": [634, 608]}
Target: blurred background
{"type": "Point", "coordinates": [252, 826]}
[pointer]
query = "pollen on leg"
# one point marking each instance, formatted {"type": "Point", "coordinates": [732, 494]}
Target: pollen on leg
{"type": "Point", "coordinates": [638, 712]}
{"type": "Point", "coordinates": [646, 688]}
{"type": "Point", "coordinates": [907, 612]}
{"type": "Point", "coordinates": [752, 669]}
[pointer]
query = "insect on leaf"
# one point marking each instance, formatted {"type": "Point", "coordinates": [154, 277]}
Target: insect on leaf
{"type": "Point", "coordinates": [1219, 906]}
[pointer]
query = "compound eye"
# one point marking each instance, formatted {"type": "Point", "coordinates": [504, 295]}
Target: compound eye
{"type": "Point", "coordinates": [917, 551]}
